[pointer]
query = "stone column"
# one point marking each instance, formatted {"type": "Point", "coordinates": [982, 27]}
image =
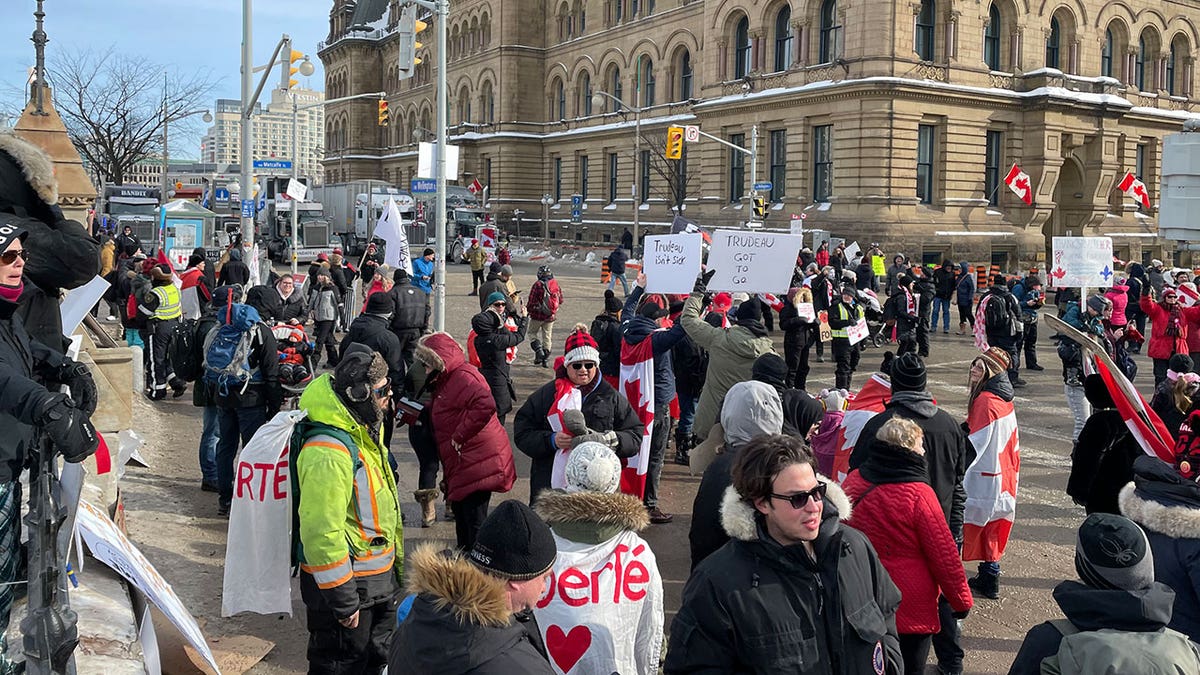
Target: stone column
{"type": "Point", "coordinates": [952, 36]}
{"type": "Point", "coordinates": [1073, 58]}
{"type": "Point", "coordinates": [1130, 64]}
{"type": "Point", "coordinates": [756, 51]}
{"type": "Point", "coordinates": [723, 59]}
{"type": "Point", "coordinates": [1014, 49]}
{"type": "Point", "coordinates": [801, 30]}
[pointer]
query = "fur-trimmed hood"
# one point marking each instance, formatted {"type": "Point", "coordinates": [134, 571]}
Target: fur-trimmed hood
{"type": "Point", "coordinates": [737, 515]}
{"type": "Point", "coordinates": [1177, 521]}
{"type": "Point", "coordinates": [34, 163]}
{"type": "Point", "coordinates": [454, 584]}
{"type": "Point", "coordinates": [617, 510]}
{"type": "Point", "coordinates": [439, 351]}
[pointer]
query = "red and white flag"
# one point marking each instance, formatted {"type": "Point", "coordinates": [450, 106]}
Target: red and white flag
{"type": "Point", "coordinates": [1018, 181]}
{"type": "Point", "coordinates": [861, 407]}
{"type": "Point", "coordinates": [637, 385]}
{"type": "Point", "coordinates": [1188, 295]}
{"type": "Point", "coordinates": [991, 480]}
{"type": "Point", "coordinates": [475, 187]}
{"type": "Point", "coordinates": [566, 397]}
{"type": "Point", "coordinates": [1145, 425]}
{"type": "Point", "coordinates": [772, 301]}
{"type": "Point", "coordinates": [1135, 188]}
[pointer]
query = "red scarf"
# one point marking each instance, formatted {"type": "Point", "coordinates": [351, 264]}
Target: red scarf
{"type": "Point", "coordinates": [12, 293]}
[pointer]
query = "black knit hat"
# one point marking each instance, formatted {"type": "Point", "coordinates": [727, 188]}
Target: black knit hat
{"type": "Point", "coordinates": [1112, 552]}
{"type": "Point", "coordinates": [379, 303]}
{"type": "Point", "coordinates": [513, 543]}
{"type": "Point", "coordinates": [749, 310]}
{"type": "Point", "coordinates": [194, 260]}
{"type": "Point", "coordinates": [1180, 363]}
{"type": "Point", "coordinates": [611, 303]}
{"type": "Point", "coordinates": [10, 231]}
{"type": "Point", "coordinates": [399, 275]}
{"type": "Point", "coordinates": [770, 368]}
{"type": "Point", "coordinates": [908, 373]}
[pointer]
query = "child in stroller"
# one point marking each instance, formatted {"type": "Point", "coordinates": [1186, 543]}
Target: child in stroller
{"type": "Point", "coordinates": [873, 313]}
{"type": "Point", "coordinates": [295, 350]}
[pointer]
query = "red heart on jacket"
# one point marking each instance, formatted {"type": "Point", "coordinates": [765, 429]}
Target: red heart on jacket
{"type": "Point", "coordinates": [567, 648]}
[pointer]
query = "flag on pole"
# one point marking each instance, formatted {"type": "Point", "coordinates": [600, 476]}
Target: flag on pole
{"type": "Point", "coordinates": [683, 225]}
{"type": "Point", "coordinates": [637, 384]}
{"type": "Point", "coordinates": [1018, 181]}
{"type": "Point", "coordinates": [475, 187]}
{"type": "Point", "coordinates": [1145, 425]}
{"type": "Point", "coordinates": [1135, 189]}
{"type": "Point", "coordinates": [390, 229]}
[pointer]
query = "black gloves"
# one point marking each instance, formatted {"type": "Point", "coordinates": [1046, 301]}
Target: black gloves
{"type": "Point", "coordinates": [702, 281]}
{"type": "Point", "coordinates": [960, 615]}
{"type": "Point", "coordinates": [78, 377]}
{"type": "Point", "coordinates": [69, 429]}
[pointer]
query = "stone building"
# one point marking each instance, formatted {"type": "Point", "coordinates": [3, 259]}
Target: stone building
{"type": "Point", "coordinates": [889, 122]}
{"type": "Point", "coordinates": [272, 131]}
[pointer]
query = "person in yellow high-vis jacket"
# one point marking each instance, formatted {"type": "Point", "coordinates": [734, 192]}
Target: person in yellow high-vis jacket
{"type": "Point", "coordinates": [163, 308]}
{"type": "Point", "coordinates": [843, 314]}
{"type": "Point", "coordinates": [351, 545]}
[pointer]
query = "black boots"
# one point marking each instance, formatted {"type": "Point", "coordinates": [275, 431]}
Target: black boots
{"type": "Point", "coordinates": [985, 585]}
{"type": "Point", "coordinates": [683, 448]}
{"type": "Point", "coordinates": [538, 359]}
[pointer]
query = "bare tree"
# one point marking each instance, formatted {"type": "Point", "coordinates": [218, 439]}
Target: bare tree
{"type": "Point", "coordinates": [675, 181]}
{"type": "Point", "coordinates": [115, 105]}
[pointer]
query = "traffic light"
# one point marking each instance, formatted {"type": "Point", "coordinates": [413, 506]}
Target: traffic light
{"type": "Point", "coordinates": [287, 59]}
{"type": "Point", "coordinates": [674, 142]}
{"type": "Point", "coordinates": [383, 113]}
{"type": "Point", "coordinates": [407, 44]}
{"type": "Point", "coordinates": [760, 207]}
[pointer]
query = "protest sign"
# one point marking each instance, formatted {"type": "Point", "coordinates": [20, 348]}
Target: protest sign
{"type": "Point", "coordinates": [877, 266]}
{"type": "Point", "coordinates": [851, 251]}
{"type": "Point", "coordinates": [1081, 262]}
{"type": "Point", "coordinates": [806, 311]}
{"type": "Point", "coordinates": [79, 301]}
{"type": "Point", "coordinates": [671, 262]}
{"type": "Point", "coordinates": [825, 332]}
{"type": "Point", "coordinates": [858, 332]}
{"type": "Point", "coordinates": [752, 262]}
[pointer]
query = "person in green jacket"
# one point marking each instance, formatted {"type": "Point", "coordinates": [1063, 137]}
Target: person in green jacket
{"type": "Point", "coordinates": [351, 538]}
{"type": "Point", "coordinates": [477, 257]}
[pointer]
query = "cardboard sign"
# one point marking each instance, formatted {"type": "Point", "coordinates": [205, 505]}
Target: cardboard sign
{"type": "Point", "coordinates": [1080, 262]}
{"type": "Point", "coordinates": [672, 262]}
{"type": "Point", "coordinates": [858, 332]}
{"type": "Point", "coordinates": [296, 190]}
{"type": "Point", "coordinates": [851, 251]}
{"type": "Point", "coordinates": [806, 311]}
{"type": "Point", "coordinates": [825, 332]}
{"type": "Point", "coordinates": [877, 266]}
{"type": "Point", "coordinates": [752, 262]}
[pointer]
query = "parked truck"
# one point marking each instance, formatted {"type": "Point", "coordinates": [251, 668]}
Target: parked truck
{"type": "Point", "coordinates": [314, 233]}
{"type": "Point", "coordinates": [467, 220]}
{"type": "Point", "coordinates": [353, 224]}
{"type": "Point", "coordinates": [132, 205]}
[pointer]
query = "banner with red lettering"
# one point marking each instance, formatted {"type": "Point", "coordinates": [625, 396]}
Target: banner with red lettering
{"type": "Point", "coordinates": [603, 607]}
{"type": "Point", "coordinates": [637, 385]}
{"type": "Point", "coordinates": [258, 546]}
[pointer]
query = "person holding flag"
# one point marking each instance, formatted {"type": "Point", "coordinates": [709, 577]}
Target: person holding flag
{"type": "Point", "coordinates": [390, 230]}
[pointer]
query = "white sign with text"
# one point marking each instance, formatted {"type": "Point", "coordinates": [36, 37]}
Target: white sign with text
{"type": "Point", "coordinates": [672, 262]}
{"type": "Point", "coordinates": [1080, 262]}
{"type": "Point", "coordinates": [752, 262]}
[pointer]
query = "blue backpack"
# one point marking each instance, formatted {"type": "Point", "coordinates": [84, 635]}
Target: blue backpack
{"type": "Point", "coordinates": [227, 350]}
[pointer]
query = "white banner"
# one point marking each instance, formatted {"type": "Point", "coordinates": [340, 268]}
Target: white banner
{"type": "Point", "coordinates": [390, 229]}
{"type": "Point", "coordinates": [671, 262]}
{"type": "Point", "coordinates": [603, 607]}
{"type": "Point", "coordinates": [752, 262]}
{"type": "Point", "coordinates": [425, 161]}
{"type": "Point", "coordinates": [1081, 262]}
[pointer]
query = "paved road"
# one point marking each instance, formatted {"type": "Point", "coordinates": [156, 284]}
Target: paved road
{"type": "Point", "coordinates": [167, 511]}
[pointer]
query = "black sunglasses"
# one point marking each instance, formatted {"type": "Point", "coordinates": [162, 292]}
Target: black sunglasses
{"type": "Point", "coordinates": [801, 499]}
{"type": "Point", "coordinates": [384, 391]}
{"type": "Point", "coordinates": [582, 365]}
{"type": "Point", "coordinates": [499, 304]}
{"type": "Point", "coordinates": [10, 257]}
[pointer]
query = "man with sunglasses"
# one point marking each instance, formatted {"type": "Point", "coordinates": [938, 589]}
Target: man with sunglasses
{"type": "Point", "coordinates": [793, 591]}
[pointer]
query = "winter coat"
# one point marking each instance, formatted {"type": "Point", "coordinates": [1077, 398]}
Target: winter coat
{"type": "Point", "coordinates": [1119, 296]}
{"type": "Point", "coordinates": [898, 511]}
{"type": "Point", "coordinates": [474, 448]}
{"type": "Point", "coordinates": [865, 277]}
{"type": "Point", "coordinates": [1163, 404]}
{"type": "Point", "coordinates": [1002, 334]}
{"type": "Point", "coordinates": [351, 555]}
{"type": "Point", "coordinates": [323, 302]}
{"type": "Point", "coordinates": [1167, 506]}
{"type": "Point", "coordinates": [826, 441]}
{"type": "Point", "coordinates": [411, 308]}
{"type": "Point", "coordinates": [108, 258]}
{"type": "Point", "coordinates": [338, 274]}
{"type": "Point", "coordinates": [690, 362]}
{"type": "Point", "coordinates": [1163, 346]}
{"type": "Point", "coordinates": [798, 333]}
{"type": "Point", "coordinates": [234, 271]}
{"type": "Point", "coordinates": [194, 295]}
{"type": "Point", "coordinates": [755, 606]}
{"type": "Point", "coordinates": [1091, 609]}
{"type": "Point", "coordinates": [606, 330]}
{"type": "Point", "coordinates": [492, 340]}
{"type": "Point", "coordinates": [731, 352]}
{"type": "Point", "coordinates": [271, 306]}
{"type": "Point", "coordinates": [540, 288]}
{"type": "Point", "coordinates": [591, 517]}
{"type": "Point", "coordinates": [617, 260]}
{"type": "Point", "coordinates": [371, 330]}
{"type": "Point", "coordinates": [800, 411]}
{"type": "Point", "coordinates": [604, 409]}
{"type": "Point", "coordinates": [476, 257]}
{"type": "Point", "coordinates": [1102, 458]}
{"type": "Point", "coordinates": [1156, 280]}
{"type": "Point", "coordinates": [944, 282]}
{"type": "Point", "coordinates": [948, 451]}
{"type": "Point", "coordinates": [127, 244]}
{"type": "Point", "coordinates": [1137, 282]}
{"type": "Point", "coordinates": [893, 275]}
{"type": "Point", "coordinates": [493, 284]}
{"type": "Point", "coordinates": [422, 276]}
{"type": "Point", "coordinates": [964, 288]}
{"type": "Point", "coordinates": [459, 623]}
{"type": "Point", "coordinates": [896, 310]}
{"type": "Point", "coordinates": [924, 288]}
{"type": "Point", "coordinates": [1024, 295]}
{"type": "Point", "coordinates": [822, 256]}
{"type": "Point", "coordinates": [635, 328]}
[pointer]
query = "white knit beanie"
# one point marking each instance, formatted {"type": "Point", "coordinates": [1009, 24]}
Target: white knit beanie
{"type": "Point", "coordinates": [593, 467]}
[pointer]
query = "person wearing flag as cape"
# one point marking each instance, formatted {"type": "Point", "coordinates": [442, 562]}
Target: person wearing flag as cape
{"type": "Point", "coordinates": [991, 479]}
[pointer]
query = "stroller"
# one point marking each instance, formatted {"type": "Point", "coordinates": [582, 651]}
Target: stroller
{"type": "Point", "coordinates": [873, 313]}
{"type": "Point", "coordinates": [295, 359]}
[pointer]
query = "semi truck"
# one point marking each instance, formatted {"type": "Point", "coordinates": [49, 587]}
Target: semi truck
{"type": "Point", "coordinates": [353, 223]}
{"type": "Point", "coordinates": [314, 234]}
{"type": "Point", "coordinates": [134, 206]}
{"type": "Point", "coordinates": [467, 220]}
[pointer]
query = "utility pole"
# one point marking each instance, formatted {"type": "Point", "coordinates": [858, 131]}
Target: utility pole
{"type": "Point", "coordinates": [442, 9]}
{"type": "Point", "coordinates": [246, 152]}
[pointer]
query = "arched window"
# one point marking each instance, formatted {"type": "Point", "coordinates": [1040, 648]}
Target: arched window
{"type": "Point", "coordinates": [488, 101]}
{"type": "Point", "coordinates": [648, 82]}
{"type": "Point", "coordinates": [685, 76]}
{"type": "Point", "coordinates": [559, 109]}
{"type": "Point", "coordinates": [831, 31]}
{"type": "Point", "coordinates": [1052, 42]}
{"type": "Point", "coordinates": [991, 39]}
{"type": "Point", "coordinates": [741, 48]}
{"type": "Point", "coordinates": [925, 30]}
{"type": "Point", "coordinates": [783, 38]}
{"type": "Point", "coordinates": [614, 88]}
{"type": "Point", "coordinates": [1106, 54]}
{"type": "Point", "coordinates": [464, 105]}
{"type": "Point", "coordinates": [585, 94]}
{"type": "Point", "coordinates": [1145, 73]}
{"type": "Point", "coordinates": [1139, 67]}
{"type": "Point", "coordinates": [1179, 49]}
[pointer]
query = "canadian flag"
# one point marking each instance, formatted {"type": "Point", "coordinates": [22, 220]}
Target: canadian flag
{"type": "Point", "coordinates": [475, 187]}
{"type": "Point", "coordinates": [637, 384]}
{"type": "Point", "coordinates": [1136, 190]}
{"type": "Point", "coordinates": [871, 400]}
{"type": "Point", "coordinates": [1018, 181]}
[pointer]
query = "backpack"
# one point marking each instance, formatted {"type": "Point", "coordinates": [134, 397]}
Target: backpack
{"type": "Point", "coordinates": [184, 353]}
{"type": "Point", "coordinates": [1160, 652]}
{"type": "Point", "coordinates": [545, 306]}
{"type": "Point", "coordinates": [227, 350]}
{"type": "Point", "coordinates": [997, 315]}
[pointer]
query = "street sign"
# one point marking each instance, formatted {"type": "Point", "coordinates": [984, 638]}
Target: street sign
{"type": "Point", "coordinates": [763, 186]}
{"type": "Point", "coordinates": [272, 163]}
{"type": "Point", "coordinates": [423, 186]}
{"type": "Point", "coordinates": [691, 133]}
{"type": "Point", "coordinates": [576, 201]}
{"type": "Point", "coordinates": [247, 208]}
{"type": "Point", "coordinates": [222, 195]}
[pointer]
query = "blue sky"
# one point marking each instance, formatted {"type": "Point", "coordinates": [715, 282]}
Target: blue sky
{"type": "Point", "coordinates": [191, 34]}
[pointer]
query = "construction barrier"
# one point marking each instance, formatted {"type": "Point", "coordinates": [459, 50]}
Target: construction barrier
{"type": "Point", "coordinates": [631, 271]}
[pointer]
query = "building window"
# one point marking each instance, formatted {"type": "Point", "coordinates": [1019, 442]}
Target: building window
{"type": "Point", "coordinates": [614, 88]}
{"type": "Point", "coordinates": [648, 83]}
{"type": "Point", "coordinates": [991, 167]}
{"type": "Point", "coordinates": [991, 39]}
{"type": "Point", "coordinates": [737, 169]}
{"type": "Point", "coordinates": [783, 38]}
{"type": "Point", "coordinates": [558, 179]}
{"type": "Point", "coordinates": [925, 30]}
{"type": "Point", "coordinates": [831, 32]}
{"type": "Point", "coordinates": [1170, 74]}
{"type": "Point", "coordinates": [1052, 41]}
{"type": "Point", "coordinates": [925, 139]}
{"type": "Point", "coordinates": [633, 9]}
{"type": "Point", "coordinates": [741, 49]}
{"type": "Point", "coordinates": [585, 90]}
{"type": "Point", "coordinates": [822, 145]}
{"type": "Point", "coordinates": [649, 7]}
{"type": "Point", "coordinates": [487, 171]}
{"type": "Point", "coordinates": [685, 76]}
{"type": "Point", "coordinates": [560, 101]}
{"type": "Point", "coordinates": [1139, 66]}
{"type": "Point", "coordinates": [583, 176]}
{"type": "Point", "coordinates": [1106, 54]}
{"type": "Point", "coordinates": [619, 10]}
{"type": "Point", "coordinates": [644, 178]}
{"type": "Point", "coordinates": [778, 163]}
{"type": "Point", "coordinates": [1139, 161]}
{"type": "Point", "coordinates": [612, 177]}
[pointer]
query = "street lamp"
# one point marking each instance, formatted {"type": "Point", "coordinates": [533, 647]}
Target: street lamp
{"type": "Point", "coordinates": [207, 117]}
{"type": "Point", "coordinates": [547, 200]}
{"type": "Point", "coordinates": [597, 101]}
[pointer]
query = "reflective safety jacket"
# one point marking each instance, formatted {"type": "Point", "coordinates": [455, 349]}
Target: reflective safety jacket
{"type": "Point", "coordinates": [344, 495]}
{"type": "Point", "coordinates": [842, 316]}
{"type": "Point", "coordinates": [169, 303]}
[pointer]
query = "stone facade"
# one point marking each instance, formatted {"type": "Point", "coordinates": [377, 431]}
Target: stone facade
{"type": "Point", "coordinates": [888, 122]}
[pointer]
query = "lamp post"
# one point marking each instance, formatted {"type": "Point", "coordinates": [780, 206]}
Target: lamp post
{"type": "Point", "coordinates": [166, 158]}
{"type": "Point", "coordinates": [547, 200]}
{"type": "Point", "coordinates": [598, 100]}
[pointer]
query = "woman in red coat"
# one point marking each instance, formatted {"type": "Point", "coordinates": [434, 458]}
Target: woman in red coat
{"type": "Point", "coordinates": [899, 512]}
{"type": "Point", "coordinates": [476, 456]}
{"type": "Point", "coordinates": [1169, 329]}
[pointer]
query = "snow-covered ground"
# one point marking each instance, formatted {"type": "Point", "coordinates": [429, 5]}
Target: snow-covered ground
{"type": "Point", "coordinates": [590, 257]}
